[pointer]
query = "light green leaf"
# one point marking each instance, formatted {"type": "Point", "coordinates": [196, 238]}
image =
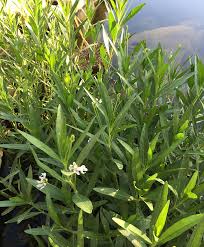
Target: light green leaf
{"type": "Point", "coordinates": [191, 184]}
{"type": "Point", "coordinates": [132, 229]}
{"type": "Point", "coordinates": [83, 202]}
{"type": "Point", "coordinates": [118, 194]}
{"type": "Point", "coordinates": [148, 183]}
{"type": "Point", "coordinates": [192, 195]}
{"type": "Point", "coordinates": [106, 41]}
{"type": "Point", "coordinates": [160, 223]}
{"type": "Point", "coordinates": [136, 242]}
{"type": "Point", "coordinates": [58, 239]}
{"type": "Point", "coordinates": [161, 202]}
{"type": "Point", "coordinates": [113, 25]}
{"type": "Point", "coordinates": [148, 203]}
{"type": "Point", "coordinates": [132, 13]}
{"type": "Point", "coordinates": [153, 143]}
{"type": "Point", "coordinates": [179, 227]}
{"type": "Point", "coordinates": [118, 163]}
{"type": "Point", "coordinates": [53, 244]}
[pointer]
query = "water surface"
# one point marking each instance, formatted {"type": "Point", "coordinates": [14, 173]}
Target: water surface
{"type": "Point", "coordinates": [170, 22]}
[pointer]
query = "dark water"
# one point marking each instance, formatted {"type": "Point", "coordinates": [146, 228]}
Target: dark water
{"type": "Point", "coordinates": [170, 22]}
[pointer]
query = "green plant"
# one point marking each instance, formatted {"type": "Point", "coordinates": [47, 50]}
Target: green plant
{"type": "Point", "coordinates": [112, 159]}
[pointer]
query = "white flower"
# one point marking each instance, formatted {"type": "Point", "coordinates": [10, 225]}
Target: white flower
{"type": "Point", "coordinates": [99, 100]}
{"type": "Point", "coordinates": [81, 83]}
{"type": "Point", "coordinates": [78, 169]}
{"type": "Point", "coordinates": [42, 182]}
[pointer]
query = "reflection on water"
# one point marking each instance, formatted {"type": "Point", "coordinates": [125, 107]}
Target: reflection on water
{"type": "Point", "coordinates": [170, 22]}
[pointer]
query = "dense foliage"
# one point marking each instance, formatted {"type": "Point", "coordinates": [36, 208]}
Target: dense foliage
{"type": "Point", "coordinates": [111, 158]}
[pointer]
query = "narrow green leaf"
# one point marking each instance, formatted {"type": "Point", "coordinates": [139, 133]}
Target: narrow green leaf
{"type": "Point", "coordinates": [118, 163]}
{"type": "Point", "coordinates": [46, 168]}
{"type": "Point", "coordinates": [113, 25]}
{"type": "Point", "coordinates": [179, 227]}
{"type": "Point", "coordinates": [167, 88]}
{"type": "Point", "coordinates": [23, 147]}
{"type": "Point", "coordinates": [160, 203]}
{"type": "Point", "coordinates": [118, 194]}
{"type": "Point", "coordinates": [29, 186]}
{"type": "Point", "coordinates": [132, 13]}
{"type": "Point", "coordinates": [52, 210]}
{"type": "Point", "coordinates": [132, 229]}
{"type": "Point", "coordinates": [191, 184]}
{"type": "Point", "coordinates": [136, 242]}
{"type": "Point", "coordinates": [38, 231]}
{"type": "Point", "coordinates": [40, 145]}
{"type": "Point", "coordinates": [86, 150]}
{"type": "Point", "coordinates": [154, 142]}
{"type": "Point", "coordinates": [82, 137]}
{"type": "Point", "coordinates": [197, 235]}
{"type": "Point", "coordinates": [144, 144]}
{"type": "Point", "coordinates": [160, 223]}
{"type": "Point", "coordinates": [54, 191]}
{"type": "Point", "coordinates": [53, 244]}
{"type": "Point", "coordinates": [7, 203]}
{"type": "Point", "coordinates": [164, 154]}
{"type": "Point", "coordinates": [137, 169]}
{"type": "Point", "coordinates": [121, 115]}
{"type": "Point", "coordinates": [58, 239]}
{"type": "Point", "coordinates": [148, 183]}
{"type": "Point", "coordinates": [24, 216]}
{"type": "Point", "coordinates": [106, 41]}
{"type": "Point", "coordinates": [148, 203]}
{"type": "Point", "coordinates": [61, 131]}
{"type": "Point", "coordinates": [126, 146]}
{"type": "Point", "coordinates": [106, 99]}
{"type": "Point", "coordinates": [104, 221]}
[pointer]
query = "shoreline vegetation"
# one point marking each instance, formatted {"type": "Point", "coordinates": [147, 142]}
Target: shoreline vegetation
{"type": "Point", "coordinates": [100, 145]}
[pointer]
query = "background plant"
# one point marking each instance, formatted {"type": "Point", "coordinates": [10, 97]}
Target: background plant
{"type": "Point", "coordinates": [136, 125]}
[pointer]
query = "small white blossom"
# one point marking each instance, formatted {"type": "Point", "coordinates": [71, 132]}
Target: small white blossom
{"type": "Point", "coordinates": [78, 169]}
{"type": "Point", "coordinates": [99, 100]}
{"type": "Point", "coordinates": [81, 83]}
{"type": "Point", "coordinates": [42, 182]}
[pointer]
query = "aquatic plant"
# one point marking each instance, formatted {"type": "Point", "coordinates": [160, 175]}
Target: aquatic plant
{"type": "Point", "coordinates": [113, 158]}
